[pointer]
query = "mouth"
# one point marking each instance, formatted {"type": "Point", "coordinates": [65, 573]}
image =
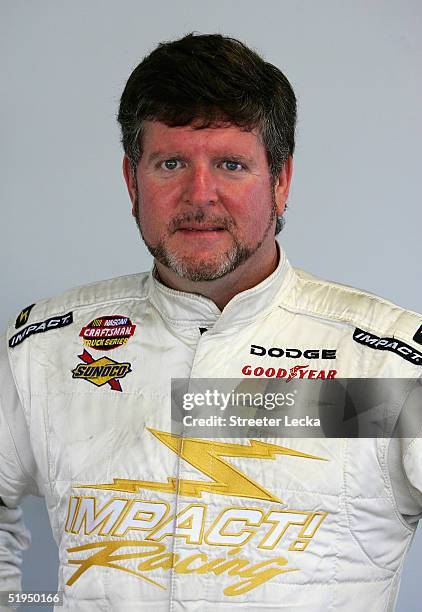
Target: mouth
{"type": "Point", "coordinates": [200, 228]}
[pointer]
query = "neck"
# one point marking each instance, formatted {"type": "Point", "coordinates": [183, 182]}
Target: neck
{"type": "Point", "coordinates": [221, 290]}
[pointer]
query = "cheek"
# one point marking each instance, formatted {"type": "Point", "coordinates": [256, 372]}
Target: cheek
{"type": "Point", "coordinates": [156, 206]}
{"type": "Point", "coordinates": [252, 205]}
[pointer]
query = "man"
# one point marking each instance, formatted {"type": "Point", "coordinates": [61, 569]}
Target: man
{"type": "Point", "coordinates": [146, 519]}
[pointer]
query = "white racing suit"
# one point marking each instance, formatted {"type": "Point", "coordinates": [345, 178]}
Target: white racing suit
{"type": "Point", "coordinates": [145, 520]}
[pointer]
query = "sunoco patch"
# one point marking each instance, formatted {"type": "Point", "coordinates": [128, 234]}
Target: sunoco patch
{"type": "Point", "coordinates": [23, 316]}
{"type": "Point", "coordinates": [101, 371]}
{"type": "Point", "coordinates": [393, 345]}
{"type": "Point", "coordinates": [38, 328]}
{"type": "Point", "coordinates": [107, 333]}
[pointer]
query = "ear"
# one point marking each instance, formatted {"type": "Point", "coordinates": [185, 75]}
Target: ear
{"type": "Point", "coordinates": [282, 185]}
{"type": "Point", "coordinates": [130, 181]}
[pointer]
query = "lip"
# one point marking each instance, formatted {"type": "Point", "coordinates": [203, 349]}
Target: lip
{"type": "Point", "coordinates": [194, 229]}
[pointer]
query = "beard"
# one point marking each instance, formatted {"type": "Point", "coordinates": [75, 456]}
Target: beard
{"type": "Point", "coordinates": [209, 269]}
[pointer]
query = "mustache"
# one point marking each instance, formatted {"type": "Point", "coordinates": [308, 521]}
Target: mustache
{"type": "Point", "coordinates": [199, 216]}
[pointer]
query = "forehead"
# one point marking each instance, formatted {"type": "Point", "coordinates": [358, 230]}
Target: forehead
{"type": "Point", "coordinates": [157, 135]}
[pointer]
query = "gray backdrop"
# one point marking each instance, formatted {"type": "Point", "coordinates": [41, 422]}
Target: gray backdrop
{"type": "Point", "coordinates": [355, 211]}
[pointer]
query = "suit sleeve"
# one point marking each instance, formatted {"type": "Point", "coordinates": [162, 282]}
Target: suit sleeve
{"type": "Point", "coordinates": [405, 463]}
{"type": "Point", "coordinates": [17, 473]}
{"type": "Point", "coordinates": [412, 463]}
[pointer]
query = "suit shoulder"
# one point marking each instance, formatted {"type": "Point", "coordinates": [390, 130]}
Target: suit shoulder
{"type": "Point", "coordinates": [358, 308]}
{"type": "Point", "coordinates": [109, 291]}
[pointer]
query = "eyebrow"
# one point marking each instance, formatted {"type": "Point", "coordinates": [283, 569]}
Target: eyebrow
{"type": "Point", "coordinates": [237, 156]}
{"type": "Point", "coordinates": [163, 154]}
{"type": "Point", "coordinates": [178, 154]}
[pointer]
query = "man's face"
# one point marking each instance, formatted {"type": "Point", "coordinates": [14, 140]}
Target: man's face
{"type": "Point", "coordinates": [203, 199]}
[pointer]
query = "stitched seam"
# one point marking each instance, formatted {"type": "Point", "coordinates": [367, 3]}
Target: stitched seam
{"type": "Point", "coordinates": [355, 291]}
{"type": "Point", "coordinates": [329, 585]}
{"type": "Point", "coordinates": [195, 322]}
{"type": "Point", "coordinates": [354, 536]}
{"type": "Point", "coordinates": [180, 322]}
{"type": "Point", "coordinates": [390, 491]}
{"type": "Point", "coordinates": [45, 417]}
{"type": "Point", "coordinates": [118, 300]}
{"type": "Point", "coordinates": [48, 306]}
{"type": "Point", "coordinates": [20, 395]}
{"type": "Point", "coordinates": [408, 484]}
{"type": "Point", "coordinates": [353, 320]}
{"type": "Point", "coordinates": [298, 491]}
{"type": "Point", "coordinates": [337, 533]}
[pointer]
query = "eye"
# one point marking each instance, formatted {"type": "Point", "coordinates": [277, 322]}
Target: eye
{"type": "Point", "coordinates": [170, 164]}
{"type": "Point", "coordinates": [232, 165]}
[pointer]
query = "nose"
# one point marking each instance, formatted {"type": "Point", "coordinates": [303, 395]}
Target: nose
{"type": "Point", "coordinates": [200, 186]}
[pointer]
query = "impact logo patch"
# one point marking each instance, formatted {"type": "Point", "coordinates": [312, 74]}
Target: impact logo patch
{"type": "Point", "coordinates": [101, 371]}
{"type": "Point", "coordinates": [418, 336]}
{"type": "Point", "coordinates": [38, 328]}
{"type": "Point", "coordinates": [107, 333]}
{"type": "Point", "coordinates": [388, 344]}
{"type": "Point", "coordinates": [23, 316]}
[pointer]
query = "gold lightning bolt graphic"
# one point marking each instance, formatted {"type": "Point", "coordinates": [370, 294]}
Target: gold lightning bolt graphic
{"type": "Point", "coordinates": [206, 457]}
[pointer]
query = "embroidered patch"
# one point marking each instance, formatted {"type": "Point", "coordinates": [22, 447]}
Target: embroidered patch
{"type": "Point", "coordinates": [38, 328]}
{"type": "Point", "coordinates": [101, 371]}
{"type": "Point", "coordinates": [23, 316]}
{"type": "Point", "coordinates": [418, 336]}
{"type": "Point", "coordinates": [393, 345]}
{"type": "Point", "coordinates": [107, 333]}
{"type": "Point", "coordinates": [297, 371]}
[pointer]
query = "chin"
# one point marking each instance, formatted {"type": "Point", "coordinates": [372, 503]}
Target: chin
{"type": "Point", "coordinates": [203, 269]}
